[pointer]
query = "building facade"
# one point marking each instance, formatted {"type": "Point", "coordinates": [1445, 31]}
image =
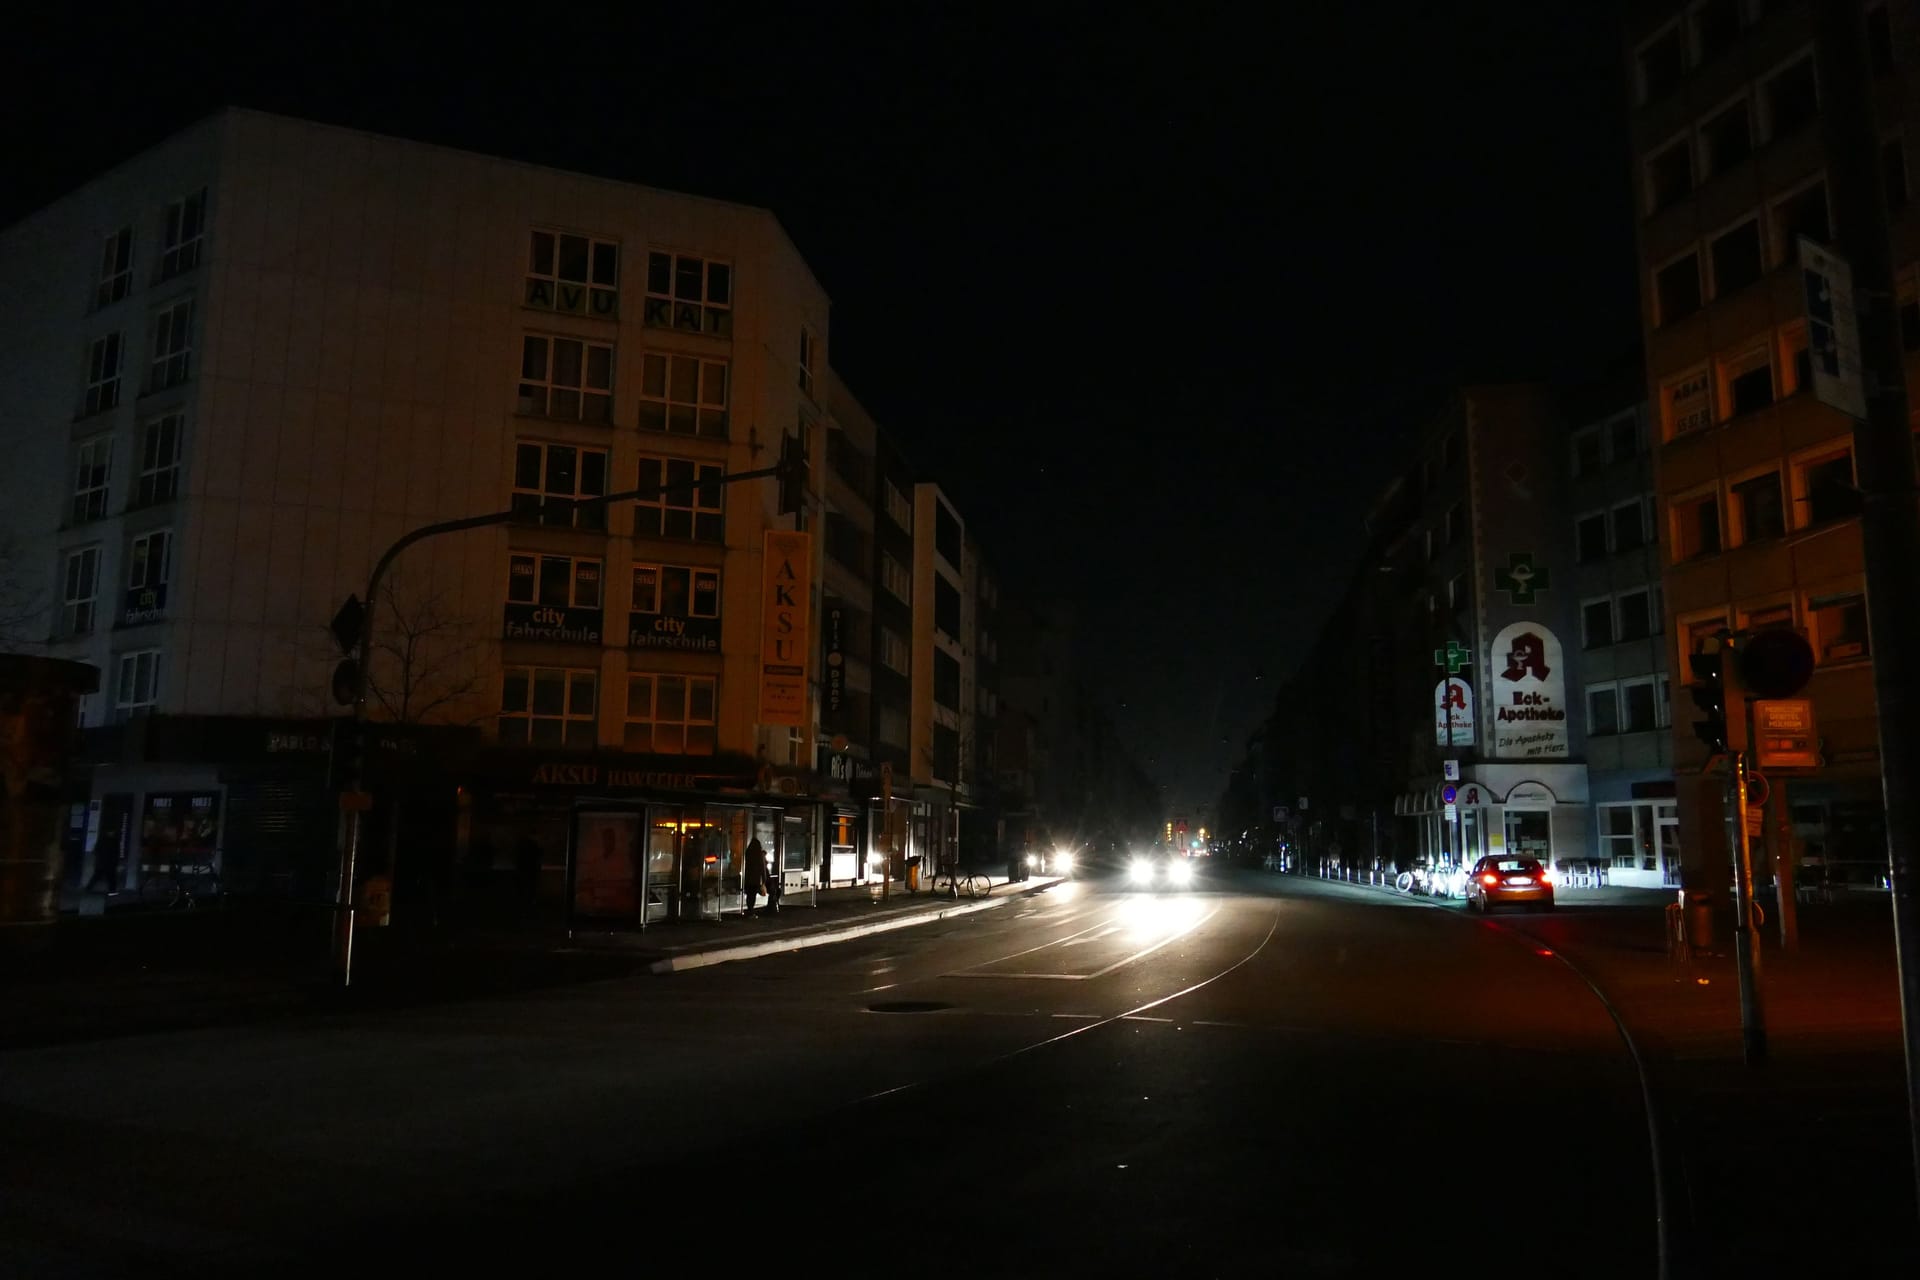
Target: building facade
{"type": "Point", "coordinates": [1757, 501]}
{"type": "Point", "coordinates": [250, 358]}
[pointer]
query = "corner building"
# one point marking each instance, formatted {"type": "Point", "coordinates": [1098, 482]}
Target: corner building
{"type": "Point", "coordinates": [247, 360]}
{"type": "Point", "coordinates": [1755, 477]}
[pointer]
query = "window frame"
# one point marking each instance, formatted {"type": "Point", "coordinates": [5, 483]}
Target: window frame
{"type": "Point", "coordinates": [1800, 494]}
{"type": "Point", "coordinates": [1643, 91]}
{"type": "Point", "coordinates": [163, 474]}
{"type": "Point", "coordinates": [1688, 145]}
{"type": "Point", "coordinates": [1610, 689]}
{"type": "Point", "coordinates": [127, 665]}
{"type": "Point", "coordinates": [694, 573]}
{"type": "Point", "coordinates": [1738, 534]}
{"type": "Point", "coordinates": [1739, 362]}
{"type": "Point", "coordinates": [687, 721]}
{"type": "Point", "coordinates": [80, 613]}
{"type": "Point", "coordinates": [1649, 683]}
{"type": "Point", "coordinates": [1816, 605]}
{"type": "Point", "coordinates": [116, 268]}
{"type": "Point", "coordinates": [1709, 166]}
{"type": "Point", "coordinates": [1687, 500]}
{"type": "Point", "coordinates": [1614, 544]}
{"type": "Point", "coordinates": [179, 251]}
{"type": "Point", "coordinates": [1718, 290]}
{"type": "Point", "coordinates": [172, 362]}
{"type": "Point", "coordinates": [580, 569]}
{"type": "Point", "coordinates": [593, 290]}
{"type": "Point", "coordinates": [699, 409]}
{"type": "Point", "coordinates": [892, 567]}
{"type": "Point", "coordinates": [1587, 640]}
{"type": "Point", "coordinates": [568, 717]}
{"type": "Point", "coordinates": [706, 475]}
{"type": "Point", "coordinates": [1765, 124]}
{"type": "Point", "coordinates": [1660, 317]}
{"type": "Point", "coordinates": [1783, 249]}
{"type": "Point", "coordinates": [538, 503]}
{"type": "Point", "coordinates": [892, 642]}
{"type": "Point", "coordinates": [102, 391]}
{"type": "Point", "coordinates": [1620, 635]}
{"type": "Point", "coordinates": [1606, 536]}
{"type": "Point", "coordinates": [85, 496]}
{"type": "Point", "coordinates": [715, 318]}
{"type": "Point", "coordinates": [585, 392]}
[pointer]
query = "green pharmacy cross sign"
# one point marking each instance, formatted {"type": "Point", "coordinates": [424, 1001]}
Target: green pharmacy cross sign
{"type": "Point", "coordinates": [1453, 657]}
{"type": "Point", "coordinates": [1520, 579]}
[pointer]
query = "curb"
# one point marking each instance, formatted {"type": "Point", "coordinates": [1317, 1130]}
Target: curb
{"type": "Point", "coordinates": [797, 942]}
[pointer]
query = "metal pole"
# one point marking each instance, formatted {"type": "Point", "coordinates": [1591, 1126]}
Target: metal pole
{"type": "Point", "coordinates": [1884, 470]}
{"type": "Point", "coordinates": [1753, 1026]}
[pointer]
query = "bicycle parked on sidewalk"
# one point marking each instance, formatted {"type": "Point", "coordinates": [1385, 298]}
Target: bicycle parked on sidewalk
{"type": "Point", "coordinates": [954, 881]}
{"type": "Point", "coordinates": [180, 885]}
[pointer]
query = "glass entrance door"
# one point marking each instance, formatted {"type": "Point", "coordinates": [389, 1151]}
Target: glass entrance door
{"type": "Point", "coordinates": [1530, 834]}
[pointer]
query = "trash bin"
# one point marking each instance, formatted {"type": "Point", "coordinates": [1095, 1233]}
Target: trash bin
{"type": "Point", "coordinates": [1699, 918]}
{"type": "Point", "coordinates": [913, 873]}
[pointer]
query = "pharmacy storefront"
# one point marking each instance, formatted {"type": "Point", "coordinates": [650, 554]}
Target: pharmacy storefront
{"type": "Point", "coordinates": [1537, 811]}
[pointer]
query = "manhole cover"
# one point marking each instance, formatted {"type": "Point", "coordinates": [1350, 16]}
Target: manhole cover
{"type": "Point", "coordinates": [908, 1006]}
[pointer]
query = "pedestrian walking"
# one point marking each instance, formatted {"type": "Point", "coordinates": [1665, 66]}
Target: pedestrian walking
{"type": "Point", "coordinates": [753, 873]}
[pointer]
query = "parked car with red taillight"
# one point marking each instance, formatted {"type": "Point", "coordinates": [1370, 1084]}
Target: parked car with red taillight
{"type": "Point", "coordinates": [1502, 878]}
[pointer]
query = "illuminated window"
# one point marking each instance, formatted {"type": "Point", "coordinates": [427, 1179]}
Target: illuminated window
{"type": "Point", "coordinates": [685, 292]}
{"type": "Point", "coordinates": [673, 714]}
{"type": "Point", "coordinates": [579, 275]}
{"type": "Point", "coordinates": [684, 395]}
{"type": "Point", "coordinates": [103, 375]}
{"type": "Point", "coordinates": [184, 226]}
{"type": "Point", "coordinates": [1839, 627]}
{"type": "Point", "coordinates": [1696, 525]}
{"type": "Point", "coordinates": [548, 479]}
{"type": "Point", "coordinates": [116, 268]}
{"type": "Point", "coordinates": [566, 378]}
{"type": "Point", "coordinates": [548, 707]}
{"type": "Point", "coordinates": [691, 506]}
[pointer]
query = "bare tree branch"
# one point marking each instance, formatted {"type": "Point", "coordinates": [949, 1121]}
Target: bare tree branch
{"type": "Point", "coordinates": [425, 658]}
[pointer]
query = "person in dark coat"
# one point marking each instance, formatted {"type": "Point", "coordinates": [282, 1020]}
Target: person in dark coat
{"type": "Point", "coordinates": [753, 872]}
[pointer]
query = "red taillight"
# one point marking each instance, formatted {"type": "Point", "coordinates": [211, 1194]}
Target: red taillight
{"type": "Point", "coordinates": [1489, 878]}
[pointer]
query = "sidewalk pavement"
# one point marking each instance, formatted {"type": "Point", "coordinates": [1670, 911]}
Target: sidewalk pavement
{"type": "Point", "coordinates": [139, 973]}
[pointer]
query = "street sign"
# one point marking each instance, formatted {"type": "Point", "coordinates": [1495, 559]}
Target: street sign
{"type": "Point", "coordinates": [1453, 657]}
{"type": "Point", "coordinates": [347, 623]}
{"type": "Point", "coordinates": [1756, 821]}
{"type": "Point", "coordinates": [1450, 770]}
{"type": "Point", "coordinates": [1303, 802]}
{"type": "Point", "coordinates": [1449, 794]}
{"type": "Point", "coordinates": [1279, 813]}
{"type": "Point", "coordinates": [1833, 329]}
{"type": "Point", "coordinates": [1453, 813]}
{"type": "Point", "coordinates": [1784, 734]}
{"type": "Point", "coordinates": [1522, 579]}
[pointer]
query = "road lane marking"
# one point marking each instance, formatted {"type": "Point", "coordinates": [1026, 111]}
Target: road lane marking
{"type": "Point", "coordinates": [980, 971]}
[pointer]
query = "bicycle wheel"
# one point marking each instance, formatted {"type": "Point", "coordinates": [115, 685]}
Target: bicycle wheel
{"type": "Point", "coordinates": [1404, 882]}
{"type": "Point", "coordinates": [161, 889]}
{"type": "Point", "coordinates": [979, 886]}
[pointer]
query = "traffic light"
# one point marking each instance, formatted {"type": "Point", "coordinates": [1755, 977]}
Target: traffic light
{"type": "Point", "coordinates": [1709, 691]}
{"type": "Point", "coordinates": [793, 475]}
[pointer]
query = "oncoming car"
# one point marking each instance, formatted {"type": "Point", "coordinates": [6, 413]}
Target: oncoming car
{"type": "Point", "coordinates": [1052, 862]}
{"type": "Point", "coordinates": [1500, 878]}
{"type": "Point", "coordinates": [1160, 871]}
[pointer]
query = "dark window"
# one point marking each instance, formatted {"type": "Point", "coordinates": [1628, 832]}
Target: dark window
{"type": "Point", "coordinates": [1670, 174]}
{"type": "Point", "coordinates": [1910, 324]}
{"type": "Point", "coordinates": [1757, 501]}
{"type": "Point", "coordinates": [1587, 457]}
{"type": "Point", "coordinates": [1840, 627]}
{"type": "Point", "coordinates": [1639, 700]}
{"type": "Point", "coordinates": [1592, 533]}
{"type": "Point", "coordinates": [1677, 288]}
{"type": "Point", "coordinates": [946, 606]}
{"type": "Point", "coordinates": [1802, 214]}
{"type": "Point", "coordinates": [946, 533]}
{"type": "Point", "coordinates": [1662, 65]}
{"type": "Point", "coordinates": [946, 679]}
{"type": "Point", "coordinates": [1597, 621]}
{"type": "Point", "coordinates": [1456, 524]}
{"type": "Point", "coordinates": [946, 753]}
{"type": "Point", "coordinates": [1716, 26]}
{"type": "Point", "coordinates": [1629, 527]}
{"type": "Point", "coordinates": [1893, 169]}
{"type": "Point", "coordinates": [847, 544]}
{"type": "Point", "coordinates": [1751, 389]}
{"type": "Point", "coordinates": [1697, 527]}
{"type": "Point", "coordinates": [1792, 99]}
{"type": "Point", "coordinates": [1603, 711]}
{"type": "Point", "coordinates": [1626, 440]}
{"type": "Point", "coordinates": [1736, 258]}
{"type": "Point", "coordinates": [1636, 615]}
{"type": "Point", "coordinates": [1728, 137]}
{"type": "Point", "coordinates": [1880, 40]}
{"type": "Point", "coordinates": [1830, 491]}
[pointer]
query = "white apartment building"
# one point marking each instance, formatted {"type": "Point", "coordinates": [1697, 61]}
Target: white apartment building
{"type": "Point", "coordinates": [244, 362]}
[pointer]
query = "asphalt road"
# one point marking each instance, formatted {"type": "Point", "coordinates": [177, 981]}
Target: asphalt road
{"type": "Point", "coordinates": [1253, 1078]}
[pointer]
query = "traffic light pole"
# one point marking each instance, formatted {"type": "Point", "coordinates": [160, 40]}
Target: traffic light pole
{"type": "Point", "coordinates": [1884, 468]}
{"type": "Point", "coordinates": [1746, 956]}
{"type": "Point", "coordinates": [354, 800]}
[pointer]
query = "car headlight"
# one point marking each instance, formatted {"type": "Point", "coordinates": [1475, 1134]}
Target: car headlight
{"type": "Point", "coordinates": [1063, 862]}
{"type": "Point", "coordinates": [1033, 859]}
{"type": "Point", "coordinates": [1141, 871]}
{"type": "Point", "coordinates": [1180, 873]}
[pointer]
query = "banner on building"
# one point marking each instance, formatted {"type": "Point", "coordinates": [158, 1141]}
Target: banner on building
{"type": "Point", "coordinates": [1453, 713]}
{"type": "Point", "coordinates": [1529, 694]}
{"type": "Point", "coordinates": [833, 644]}
{"type": "Point", "coordinates": [786, 576]}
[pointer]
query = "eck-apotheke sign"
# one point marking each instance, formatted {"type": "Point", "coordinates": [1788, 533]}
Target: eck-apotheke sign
{"type": "Point", "coordinates": [1529, 694]}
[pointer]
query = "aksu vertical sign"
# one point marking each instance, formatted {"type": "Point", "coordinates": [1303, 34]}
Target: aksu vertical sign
{"type": "Point", "coordinates": [785, 600]}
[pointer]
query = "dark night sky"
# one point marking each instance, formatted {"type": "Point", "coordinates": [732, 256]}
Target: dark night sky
{"type": "Point", "coordinates": [1152, 294]}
